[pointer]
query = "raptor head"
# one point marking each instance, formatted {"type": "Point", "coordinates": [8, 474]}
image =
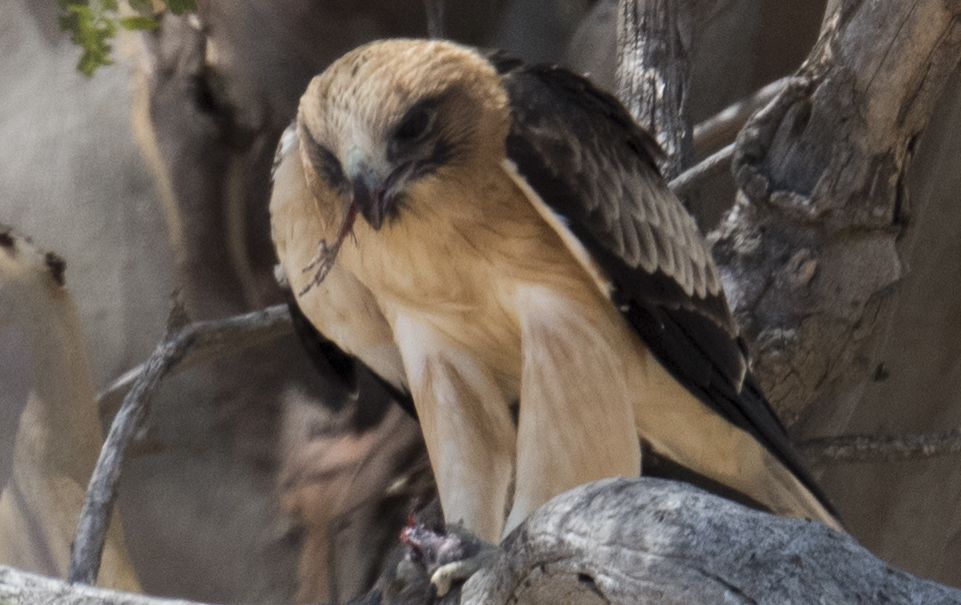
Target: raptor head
{"type": "Point", "coordinates": [392, 115]}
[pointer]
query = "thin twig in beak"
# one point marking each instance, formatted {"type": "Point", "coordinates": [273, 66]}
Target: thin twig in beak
{"type": "Point", "coordinates": [327, 254]}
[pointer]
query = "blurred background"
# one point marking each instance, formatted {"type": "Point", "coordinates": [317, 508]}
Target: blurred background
{"type": "Point", "coordinates": [153, 175]}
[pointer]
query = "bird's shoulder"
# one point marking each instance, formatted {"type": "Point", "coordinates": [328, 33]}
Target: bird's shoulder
{"type": "Point", "coordinates": [580, 151]}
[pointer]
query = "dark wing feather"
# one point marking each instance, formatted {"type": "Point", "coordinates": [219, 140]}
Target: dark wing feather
{"type": "Point", "coordinates": [344, 370]}
{"type": "Point", "coordinates": [579, 149]}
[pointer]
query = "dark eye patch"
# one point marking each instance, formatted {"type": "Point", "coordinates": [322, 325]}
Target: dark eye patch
{"type": "Point", "coordinates": [416, 123]}
{"type": "Point", "coordinates": [413, 126]}
{"type": "Point", "coordinates": [326, 163]}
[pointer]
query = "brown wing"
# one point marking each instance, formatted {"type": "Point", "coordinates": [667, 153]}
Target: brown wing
{"type": "Point", "coordinates": [579, 149]}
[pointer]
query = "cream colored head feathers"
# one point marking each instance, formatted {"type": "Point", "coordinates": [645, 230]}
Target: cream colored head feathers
{"type": "Point", "coordinates": [396, 112]}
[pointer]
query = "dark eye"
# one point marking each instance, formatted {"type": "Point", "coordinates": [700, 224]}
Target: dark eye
{"type": "Point", "coordinates": [325, 162]}
{"type": "Point", "coordinates": [413, 126]}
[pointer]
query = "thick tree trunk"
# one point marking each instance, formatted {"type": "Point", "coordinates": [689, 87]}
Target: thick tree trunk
{"type": "Point", "coordinates": [811, 252]}
{"type": "Point", "coordinates": [907, 511]}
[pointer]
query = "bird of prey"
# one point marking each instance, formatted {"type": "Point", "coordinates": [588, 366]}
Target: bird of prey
{"type": "Point", "coordinates": [496, 243]}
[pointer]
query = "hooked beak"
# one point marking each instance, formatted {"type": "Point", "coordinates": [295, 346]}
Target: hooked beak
{"type": "Point", "coordinates": [372, 201]}
{"type": "Point", "coordinates": [372, 192]}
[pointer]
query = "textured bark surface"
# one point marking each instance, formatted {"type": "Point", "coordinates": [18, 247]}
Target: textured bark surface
{"type": "Point", "coordinates": [810, 254]}
{"type": "Point", "coordinates": [621, 541]}
{"type": "Point", "coordinates": [19, 587]}
{"type": "Point", "coordinates": [654, 47]}
{"type": "Point", "coordinates": [907, 511]}
{"type": "Point", "coordinates": [653, 541]}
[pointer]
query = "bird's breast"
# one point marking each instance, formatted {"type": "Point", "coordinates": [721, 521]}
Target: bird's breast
{"type": "Point", "coordinates": [444, 285]}
{"type": "Point", "coordinates": [455, 256]}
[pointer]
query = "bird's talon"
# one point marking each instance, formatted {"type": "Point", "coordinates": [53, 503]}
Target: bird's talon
{"type": "Point", "coordinates": [458, 571]}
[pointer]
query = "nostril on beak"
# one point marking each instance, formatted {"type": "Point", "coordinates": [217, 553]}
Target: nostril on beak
{"type": "Point", "coordinates": [366, 202]}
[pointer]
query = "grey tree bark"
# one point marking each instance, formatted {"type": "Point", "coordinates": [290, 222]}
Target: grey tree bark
{"type": "Point", "coordinates": [654, 47]}
{"type": "Point", "coordinates": [811, 252]}
{"type": "Point", "coordinates": [907, 511]}
{"type": "Point", "coordinates": [629, 541]}
{"type": "Point", "coordinates": [652, 541]}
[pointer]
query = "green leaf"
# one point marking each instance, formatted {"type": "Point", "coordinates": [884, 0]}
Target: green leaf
{"type": "Point", "coordinates": [99, 7]}
{"type": "Point", "coordinates": [178, 7]}
{"type": "Point", "coordinates": [90, 61]}
{"type": "Point", "coordinates": [69, 23]}
{"type": "Point", "coordinates": [139, 23]}
{"type": "Point", "coordinates": [143, 7]}
{"type": "Point", "coordinates": [93, 24]}
{"type": "Point", "coordinates": [90, 28]}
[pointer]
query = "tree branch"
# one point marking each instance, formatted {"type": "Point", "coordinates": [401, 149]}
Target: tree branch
{"type": "Point", "coordinates": [810, 254]}
{"type": "Point", "coordinates": [714, 164]}
{"type": "Point", "coordinates": [717, 130]}
{"type": "Point", "coordinates": [213, 338]}
{"type": "Point", "coordinates": [204, 336]}
{"type": "Point", "coordinates": [23, 588]}
{"type": "Point", "coordinates": [654, 40]}
{"type": "Point", "coordinates": [722, 127]}
{"type": "Point", "coordinates": [655, 541]}
{"type": "Point", "coordinates": [632, 541]}
{"type": "Point", "coordinates": [823, 451]}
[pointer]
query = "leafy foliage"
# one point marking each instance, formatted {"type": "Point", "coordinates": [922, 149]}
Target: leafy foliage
{"type": "Point", "coordinates": [178, 7]}
{"type": "Point", "coordinates": [93, 24]}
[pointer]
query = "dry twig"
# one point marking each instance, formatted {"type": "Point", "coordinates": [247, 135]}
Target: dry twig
{"type": "Point", "coordinates": [214, 338]}
{"type": "Point", "coordinates": [207, 336]}
{"type": "Point", "coordinates": [714, 164]}
{"type": "Point", "coordinates": [722, 127]}
{"type": "Point", "coordinates": [825, 451]}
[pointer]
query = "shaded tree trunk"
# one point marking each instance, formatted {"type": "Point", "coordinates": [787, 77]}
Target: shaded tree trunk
{"type": "Point", "coordinates": [654, 48]}
{"type": "Point", "coordinates": [811, 251]}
